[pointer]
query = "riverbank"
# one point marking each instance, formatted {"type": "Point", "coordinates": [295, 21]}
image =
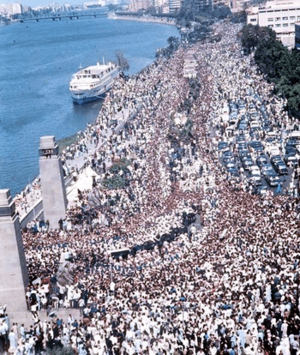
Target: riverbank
{"type": "Point", "coordinates": [145, 18]}
{"type": "Point", "coordinates": [46, 108]}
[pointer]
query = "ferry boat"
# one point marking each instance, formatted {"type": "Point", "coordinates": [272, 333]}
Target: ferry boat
{"type": "Point", "coordinates": [91, 83]}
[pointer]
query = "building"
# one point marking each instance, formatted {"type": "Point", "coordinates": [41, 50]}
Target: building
{"type": "Point", "coordinates": [238, 5]}
{"type": "Point", "coordinates": [281, 16]}
{"type": "Point", "coordinates": [11, 9]}
{"type": "Point", "coordinates": [174, 6]}
{"type": "Point", "coordinates": [137, 5]}
{"type": "Point", "coordinates": [297, 35]}
{"type": "Point", "coordinates": [94, 4]}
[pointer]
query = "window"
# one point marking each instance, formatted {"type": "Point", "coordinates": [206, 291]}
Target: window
{"type": "Point", "coordinates": [270, 19]}
{"type": "Point", "coordinates": [253, 20]}
{"type": "Point", "coordinates": [285, 18]}
{"type": "Point", "coordinates": [278, 25]}
{"type": "Point", "coordinates": [292, 17]}
{"type": "Point", "coordinates": [277, 18]}
{"type": "Point", "coordinates": [298, 18]}
{"type": "Point", "coordinates": [285, 25]}
{"type": "Point", "coordinates": [270, 26]}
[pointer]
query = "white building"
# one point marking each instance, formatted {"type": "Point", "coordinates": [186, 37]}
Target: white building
{"type": "Point", "coordinates": [16, 9]}
{"type": "Point", "coordinates": [136, 5]}
{"type": "Point", "coordinates": [11, 9]}
{"type": "Point", "coordinates": [174, 6]}
{"type": "Point", "coordinates": [280, 16]}
{"type": "Point", "coordinates": [94, 4]}
{"type": "Point", "coordinates": [297, 35]}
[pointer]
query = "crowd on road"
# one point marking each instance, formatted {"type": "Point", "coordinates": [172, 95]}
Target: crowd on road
{"type": "Point", "coordinates": [179, 259]}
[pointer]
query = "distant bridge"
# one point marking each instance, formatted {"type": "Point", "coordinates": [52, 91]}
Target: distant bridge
{"type": "Point", "coordinates": [73, 16]}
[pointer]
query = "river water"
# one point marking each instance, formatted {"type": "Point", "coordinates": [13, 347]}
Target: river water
{"type": "Point", "coordinates": [37, 60]}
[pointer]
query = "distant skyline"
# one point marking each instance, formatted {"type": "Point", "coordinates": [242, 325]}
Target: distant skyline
{"type": "Point", "coordinates": [35, 3]}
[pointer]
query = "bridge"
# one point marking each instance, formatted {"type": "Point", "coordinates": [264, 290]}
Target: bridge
{"type": "Point", "coordinates": [59, 17]}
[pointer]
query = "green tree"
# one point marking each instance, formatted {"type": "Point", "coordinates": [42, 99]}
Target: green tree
{"type": "Point", "coordinates": [122, 62]}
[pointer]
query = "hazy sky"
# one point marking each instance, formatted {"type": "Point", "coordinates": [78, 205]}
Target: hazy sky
{"type": "Point", "coordinates": [34, 3]}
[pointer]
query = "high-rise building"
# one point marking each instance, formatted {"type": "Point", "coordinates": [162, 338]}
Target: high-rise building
{"type": "Point", "coordinates": [297, 35]}
{"type": "Point", "coordinates": [136, 5]}
{"type": "Point", "coordinates": [16, 9]}
{"type": "Point", "coordinates": [278, 15]}
{"type": "Point", "coordinates": [174, 6]}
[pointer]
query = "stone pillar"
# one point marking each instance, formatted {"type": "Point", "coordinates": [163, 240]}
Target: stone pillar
{"type": "Point", "coordinates": [52, 181]}
{"type": "Point", "coordinates": [13, 270]}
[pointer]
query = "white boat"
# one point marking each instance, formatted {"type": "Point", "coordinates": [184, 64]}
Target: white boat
{"type": "Point", "coordinates": [91, 83]}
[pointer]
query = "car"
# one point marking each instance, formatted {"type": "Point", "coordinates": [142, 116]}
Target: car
{"type": "Point", "coordinates": [242, 109]}
{"type": "Point", "coordinates": [290, 150]}
{"type": "Point", "coordinates": [254, 115]}
{"type": "Point", "coordinates": [242, 146]}
{"type": "Point", "coordinates": [230, 129]}
{"type": "Point", "coordinates": [255, 170]}
{"type": "Point", "coordinates": [266, 128]}
{"type": "Point", "coordinates": [262, 160]}
{"type": "Point", "coordinates": [281, 168]}
{"type": "Point", "coordinates": [222, 145]}
{"type": "Point", "coordinates": [227, 153]}
{"type": "Point", "coordinates": [230, 165]}
{"type": "Point", "coordinates": [276, 159]}
{"type": "Point", "coordinates": [247, 163]}
{"type": "Point", "coordinates": [228, 160]}
{"type": "Point", "coordinates": [254, 132]}
{"type": "Point", "coordinates": [252, 108]}
{"type": "Point", "coordinates": [270, 139]}
{"type": "Point", "coordinates": [272, 179]}
{"type": "Point", "coordinates": [233, 171]}
{"type": "Point", "coordinates": [244, 153]}
{"type": "Point", "coordinates": [291, 158]}
{"type": "Point", "coordinates": [233, 118]}
{"type": "Point", "coordinates": [256, 145]}
{"type": "Point", "coordinates": [262, 190]}
{"type": "Point", "coordinates": [267, 169]}
{"type": "Point", "coordinates": [293, 141]}
{"type": "Point", "coordinates": [256, 179]}
{"type": "Point", "coordinates": [240, 138]}
{"type": "Point", "coordinates": [243, 125]}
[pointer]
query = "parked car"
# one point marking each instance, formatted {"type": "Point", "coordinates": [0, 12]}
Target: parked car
{"type": "Point", "coordinates": [267, 169]}
{"type": "Point", "coordinates": [276, 159]}
{"type": "Point", "coordinates": [291, 158]}
{"type": "Point", "coordinates": [262, 190]}
{"type": "Point", "coordinates": [233, 171]}
{"type": "Point", "coordinates": [256, 178]}
{"type": "Point", "coordinates": [281, 168]}
{"type": "Point", "coordinates": [222, 146]}
{"type": "Point", "coordinates": [256, 145]}
{"type": "Point", "coordinates": [272, 179]}
{"type": "Point", "coordinates": [262, 160]}
{"type": "Point", "coordinates": [247, 163]}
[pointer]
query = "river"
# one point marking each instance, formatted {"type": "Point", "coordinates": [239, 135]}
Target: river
{"type": "Point", "coordinates": [37, 61]}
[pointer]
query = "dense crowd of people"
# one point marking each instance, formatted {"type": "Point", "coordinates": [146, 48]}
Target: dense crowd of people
{"type": "Point", "coordinates": [178, 259]}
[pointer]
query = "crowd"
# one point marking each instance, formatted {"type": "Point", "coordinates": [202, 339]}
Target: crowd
{"type": "Point", "coordinates": [208, 268]}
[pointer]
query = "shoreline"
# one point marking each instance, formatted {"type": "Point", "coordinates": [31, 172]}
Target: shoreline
{"type": "Point", "coordinates": [71, 140]}
{"type": "Point", "coordinates": [162, 21]}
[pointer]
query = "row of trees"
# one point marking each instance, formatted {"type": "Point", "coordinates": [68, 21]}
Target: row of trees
{"type": "Point", "coordinates": [273, 59]}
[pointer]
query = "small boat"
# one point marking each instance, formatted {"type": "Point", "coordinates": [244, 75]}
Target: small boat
{"type": "Point", "coordinates": [91, 83]}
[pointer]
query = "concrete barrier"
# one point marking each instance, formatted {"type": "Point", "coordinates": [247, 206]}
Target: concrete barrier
{"type": "Point", "coordinates": [35, 212]}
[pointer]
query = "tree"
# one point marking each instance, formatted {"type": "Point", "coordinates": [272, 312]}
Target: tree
{"type": "Point", "coordinates": [122, 62]}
